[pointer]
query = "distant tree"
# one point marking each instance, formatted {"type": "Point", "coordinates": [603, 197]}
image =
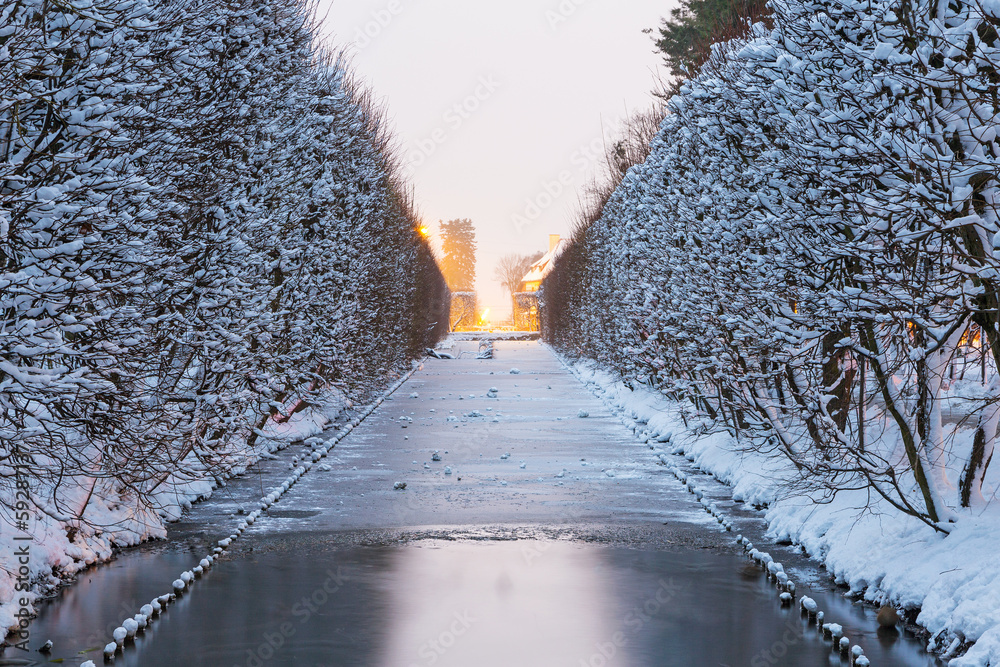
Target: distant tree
{"type": "Point", "coordinates": [686, 38]}
{"type": "Point", "coordinates": [458, 240]}
{"type": "Point", "coordinates": [512, 268]}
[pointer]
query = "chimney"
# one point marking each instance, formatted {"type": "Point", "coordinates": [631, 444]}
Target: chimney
{"type": "Point", "coordinates": [553, 241]}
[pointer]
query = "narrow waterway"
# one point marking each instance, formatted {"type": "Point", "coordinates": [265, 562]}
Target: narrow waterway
{"type": "Point", "coordinates": [364, 600]}
{"type": "Point", "coordinates": [541, 537]}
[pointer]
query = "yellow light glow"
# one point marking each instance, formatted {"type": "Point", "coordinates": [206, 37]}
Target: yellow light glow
{"type": "Point", "coordinates": [485, 315]}
{"type": "Point", "coordinates": [425, 231]}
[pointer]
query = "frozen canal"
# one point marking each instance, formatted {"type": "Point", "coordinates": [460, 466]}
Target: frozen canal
{"type": "Point", "coordinates": [541, 537]}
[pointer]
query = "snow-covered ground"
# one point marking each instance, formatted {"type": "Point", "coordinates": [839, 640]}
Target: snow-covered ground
{"type": "Point", "coordinates": [865, 544]}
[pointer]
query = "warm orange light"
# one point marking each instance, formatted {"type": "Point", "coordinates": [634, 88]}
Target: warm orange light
{"type": "Point", "coordinates": [425, 231]}
{"type": "Point", "coordinates": [485, 315]}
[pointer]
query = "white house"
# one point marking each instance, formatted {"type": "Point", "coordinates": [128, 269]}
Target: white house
{"type": "Point", "coordinates": [532, 280]}
{"type": "Point", "coordinates": [526, 299]}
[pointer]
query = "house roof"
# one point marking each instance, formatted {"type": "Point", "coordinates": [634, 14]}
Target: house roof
{"type": "Point", "coordinates": [543, 267]}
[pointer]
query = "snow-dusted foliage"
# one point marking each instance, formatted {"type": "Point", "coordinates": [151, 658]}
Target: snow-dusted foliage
{"type": "Point", "coordinates": [201, 229]}
{"type": "Point", "coordinates": [811, 248]}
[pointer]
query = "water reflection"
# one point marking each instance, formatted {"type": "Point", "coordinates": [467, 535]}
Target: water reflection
{"type": "Point", "coordinates": [314, 602]}
{"type": "Point", "coordinates": [508, 603]}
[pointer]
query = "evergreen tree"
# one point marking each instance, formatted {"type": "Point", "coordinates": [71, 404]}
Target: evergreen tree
{"type": "Point", "coordinates": [686, 38]}
{"type": "Point", "coordinates": [458, 241]}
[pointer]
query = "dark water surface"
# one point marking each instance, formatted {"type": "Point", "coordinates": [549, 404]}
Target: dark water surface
{"type": "Point", "coordinates": [314, 601]}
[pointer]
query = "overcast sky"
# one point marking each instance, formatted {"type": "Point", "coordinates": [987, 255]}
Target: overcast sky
{"type": "Point", "coordinates": [500, 105]}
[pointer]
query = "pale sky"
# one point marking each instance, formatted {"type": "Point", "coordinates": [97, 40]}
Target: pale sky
{"type": "Point", "coordinates": [500, 105]}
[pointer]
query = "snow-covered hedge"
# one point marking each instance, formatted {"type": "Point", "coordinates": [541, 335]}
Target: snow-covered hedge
{"type": "Point", "coordinates": [810, 255]}
{"type": "Point", "coordinates": [202, 229]}
{"type": "Point", "coordinates": [811, 242]}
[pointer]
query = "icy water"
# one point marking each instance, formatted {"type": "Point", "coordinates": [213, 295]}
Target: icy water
{"type": "Point", "coordinates": [575, 550]}
{"type": "Point", "coordinates": [310, 602]}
